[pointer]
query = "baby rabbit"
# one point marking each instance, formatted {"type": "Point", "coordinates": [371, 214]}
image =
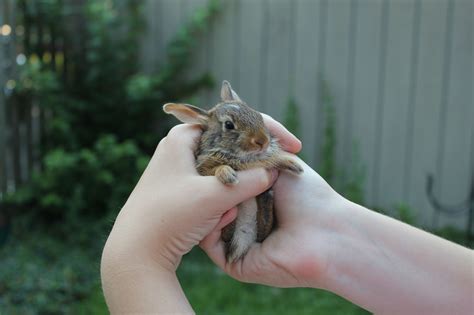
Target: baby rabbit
{"type": "Point", "coordinates": [235, 138]}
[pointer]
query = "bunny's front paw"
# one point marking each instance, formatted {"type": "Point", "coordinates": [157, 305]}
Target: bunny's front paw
{"type": "Point", "coordinates": [288, 164]}
{"type": "Point", "coordinates": [226, 175]}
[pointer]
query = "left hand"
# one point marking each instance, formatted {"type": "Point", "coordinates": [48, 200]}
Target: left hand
{"type": "Point", "coordinates": [173, 208]}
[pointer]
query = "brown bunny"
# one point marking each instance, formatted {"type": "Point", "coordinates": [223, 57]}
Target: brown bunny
{"type": "Point", "coordinates": [235, 138]}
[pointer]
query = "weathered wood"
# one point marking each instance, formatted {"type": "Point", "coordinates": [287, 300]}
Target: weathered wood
{"type": "Point", "coordinates": [250, 48]}
{"type": "Point", "coordinates": [277, 82]}
{"type": "Point", "coordinates": [365, 87]}
{"type": "Point", "coordinates": [382, 73]}
{"type": "Point", "coordinates": [427, 104]}
{"type": "Point", "coordinates": [400, 73]}
{"type": "Point", "coordinates": [3, 127]}
{"type": "Point", "coordinates": [224, 49]}
{"type": "Point", "coordinates": [152, 47]}
{"type": "Point", "coordinates": [200, 61]}
{"type": "Point", "coordinates": [350, 145]}
{"type": "Point", "coordinates": [15, 142]}
{"type": "Point", "coordinates": [393, 134]}
{"type": "Point", "coordinates": [335, 68]}
{"type": "Point", "coordinates": [306, 81]}
{"type": "Point", "coordinates": [170, 22]}
{"type": "Point", "coordinates": [458, 120]}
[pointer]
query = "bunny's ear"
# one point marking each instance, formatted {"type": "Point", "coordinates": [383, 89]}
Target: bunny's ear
{"type": "Point", "coordinates": [187, 113]}
{"type": "Point", "coordinates": [227, 94]}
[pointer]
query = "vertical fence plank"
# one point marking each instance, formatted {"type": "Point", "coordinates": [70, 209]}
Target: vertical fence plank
{"type": "Point", "coordinates": [427, 104]}
{"type": "Point", "coordinates": [13, 108]}
{"type": "Point", "coordinates": [199, 61]}
{"type": "Point", "coordinates": [334, 70]}
{"type": "Point", "coordinates": [408, 104]}
{"type": "Point", "coordinates": [170, 23]}
{"type": "Point", "coordinates": [224, 49]}
{"type": "Point", "coordinates": [3, 127]}
{"type": "Point", "coordinates": [454, 178]}
{"type": "Point", "coordinates": [410, 117]}
{"type": "Point", "coordinates": [306, 78]}
{"type": "Point", "coordinates": [150, 37]}
{"type": "Point", "coordinates": [350, 150]}
{"type": "Point", "coordinates": [382, 63]}
{"type": "Point", "coordinates": [7, 74]}
{"type": "Point", "coordinates": [250, 49]}
{"type": "Point", "coordinates": [395, 104]}
{"type": "Point", "coordinates": [277, 82]}
{"type": "Point", "coordinates": [366, 78]}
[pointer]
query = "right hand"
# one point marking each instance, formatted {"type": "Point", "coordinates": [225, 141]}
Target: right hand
{"type": "Point", "coordinates": [298, 252]}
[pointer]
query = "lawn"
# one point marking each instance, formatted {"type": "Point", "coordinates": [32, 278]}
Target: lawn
{"type": "Point", "coordinates": [43, 274]}
{"type": "Point", "coordinates": [210, 291]}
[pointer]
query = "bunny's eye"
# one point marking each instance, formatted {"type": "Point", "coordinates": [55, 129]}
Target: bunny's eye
{"type": "Point", "coordinates": [229, 125]}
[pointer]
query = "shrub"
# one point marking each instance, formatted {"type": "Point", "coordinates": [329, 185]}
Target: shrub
{"type": "Point", "coordinates": [102, 116]}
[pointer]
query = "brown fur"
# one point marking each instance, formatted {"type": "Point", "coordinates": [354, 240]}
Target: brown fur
{"type": "Point", "coordinates": [222, 152]}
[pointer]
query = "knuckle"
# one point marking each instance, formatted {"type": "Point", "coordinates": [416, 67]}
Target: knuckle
{"type": "Point", "coordinates": [263, 178]}
{"type": "Point", "coordinates": [161, 143]}
{"type": "Point", "coordinates": [183, 131]}
{"type": "Point", "coordinates": [177, 131]}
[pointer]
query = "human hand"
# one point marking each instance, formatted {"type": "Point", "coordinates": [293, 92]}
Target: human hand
{"type": "Point", "coordinates": [297, 253]}
{"type": "Point", "coordinates": [173, 208]}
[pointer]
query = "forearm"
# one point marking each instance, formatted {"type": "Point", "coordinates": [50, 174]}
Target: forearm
{"type": "Point", "coordinates": [145, 291]}
{"type": "Point", "coordinates": [134, 285]}
{"type": "Point", "coordinates": [387, 266]}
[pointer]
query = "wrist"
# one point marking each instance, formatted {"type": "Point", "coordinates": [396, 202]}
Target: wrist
{"type": "Point", "coordinates": [328, 230]}
{"type": "Point", "coordinates": [134, 242]}
{"type": "Point", "coordinates": [138, 284]}
{"type": "Point", "coordinates": [345, 232]}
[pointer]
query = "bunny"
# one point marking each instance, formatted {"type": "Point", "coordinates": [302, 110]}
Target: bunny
{"type": "Point", "coordinates": [235, 138]}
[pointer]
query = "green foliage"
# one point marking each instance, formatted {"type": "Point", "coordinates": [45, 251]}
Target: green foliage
{"type": "Point", "coordinates": [101, 120]}
{"type": "Point", "coordinates": [102, 117]}
{"type": "Point", "coordinates": [352, 181]}
{"type": "Point", "coordinates": [454, 235]}
{"type": "Point", "coordinates": [81, 183]}
{"type": "Point", "coordinates": [292, 118]}
{"type": "Point", "coordinates": [349, 183]}
{"type": "Point", "coordinates": [405, 214]}
{"type": "Point", "coordinates": [41, 275]}
{"type": "Point", "coordinates": [328, 160]}
{"type": "Point", "coordinates": [93, 304]}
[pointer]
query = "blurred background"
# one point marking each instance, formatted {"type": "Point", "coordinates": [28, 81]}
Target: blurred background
{"type": "Point", "coordinates": [380, 92]}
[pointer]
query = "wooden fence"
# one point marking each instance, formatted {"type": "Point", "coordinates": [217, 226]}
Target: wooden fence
{"type": "Point", "coordinates": [400, 74]}
{"type": "Point", "coordinates": [6, 72]}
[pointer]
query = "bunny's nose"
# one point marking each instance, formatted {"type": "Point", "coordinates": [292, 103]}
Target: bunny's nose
{"type": "Point", "coordinates": [260, 142]}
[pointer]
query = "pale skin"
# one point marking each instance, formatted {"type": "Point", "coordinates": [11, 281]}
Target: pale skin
{"type": "Point", "coordinates": [322, 241]}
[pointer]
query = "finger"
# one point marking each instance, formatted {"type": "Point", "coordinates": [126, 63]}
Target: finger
{"type": "Point", "coordinates": [213, 246]}
{"type": "Point", "coordinates": [287, 140]}
{"type": "Point", "coordinates": [251, 183]}
{"type": "Point", "coordinates": [242, 269]}
{"type": "Point", "coordinates": [179, 146]}
{"type": "Point", "coordinates": [215, 235]}
{"type": "Point", "coordinates": [227, 218]}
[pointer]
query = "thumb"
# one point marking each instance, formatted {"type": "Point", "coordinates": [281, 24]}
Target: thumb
{"type": "Point", "coordinates": [251, 183]}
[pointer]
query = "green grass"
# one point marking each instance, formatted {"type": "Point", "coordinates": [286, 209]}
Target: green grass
{"type": "Point", "coordinates": [41, 274]}
{"type": "Point", "coordinates": [94, 304]}
{"type": "Point", "coordinates": [210, 291]}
